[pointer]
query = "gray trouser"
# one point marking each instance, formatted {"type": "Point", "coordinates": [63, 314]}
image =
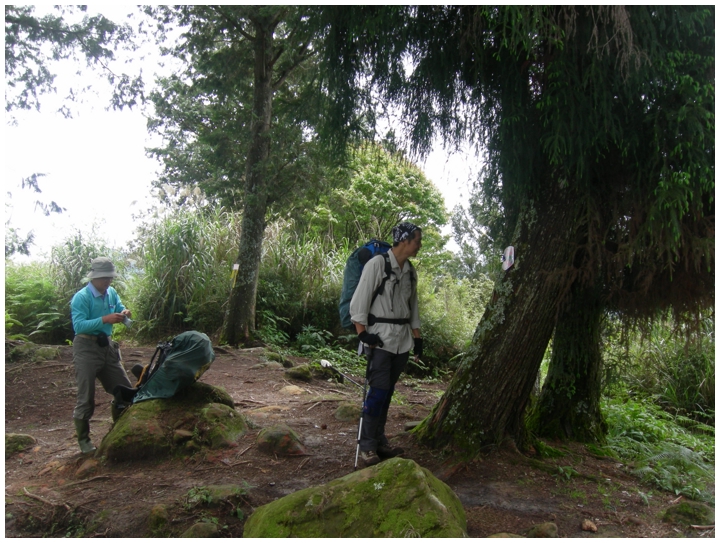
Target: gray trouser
{"type": "Point", "coordinates": [91, 362]}
{"type": "Point", "coordinates": [384, 369]}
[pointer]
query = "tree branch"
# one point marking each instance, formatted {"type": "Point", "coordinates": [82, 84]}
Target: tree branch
{"type": "Point", "coordinates": [233, 22]}
{"type": "Point", "coordinates": [302, 57]}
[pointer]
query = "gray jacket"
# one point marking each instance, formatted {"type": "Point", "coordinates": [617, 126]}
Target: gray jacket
{"type": "Point", "coordinates": [398, 301]}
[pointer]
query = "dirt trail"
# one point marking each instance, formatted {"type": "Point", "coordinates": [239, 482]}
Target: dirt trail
{"type": "Point", "coordinates": [502, 492]}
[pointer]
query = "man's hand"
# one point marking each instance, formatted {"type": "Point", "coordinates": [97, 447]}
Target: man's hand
{"type": "Point", "coordinates": [113, 318]}
{"type": "Point", "coordinates": [372, 340]}
{"type": "Point", "coordinates": [418, 350]}
{"type": "Point", "coordinates": [127, 313]}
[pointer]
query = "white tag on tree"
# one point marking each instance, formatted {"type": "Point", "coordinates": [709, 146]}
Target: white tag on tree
{"type": "Point", "coordinates": [508, 258]}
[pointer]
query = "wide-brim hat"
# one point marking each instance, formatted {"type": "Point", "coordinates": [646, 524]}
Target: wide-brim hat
{"type": "Point", "coordinates": [101, 267]}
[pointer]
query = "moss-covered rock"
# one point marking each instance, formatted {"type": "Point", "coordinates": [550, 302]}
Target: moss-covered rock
{"type": "Point", "coordinates": [688, 512]}
{"type": "Point", "coordinates": [280, 440]}
{"type": "Point", "coordinates": [263, 365]}
{"type": "Point", "coordinates": [28, 351]}
{"type": "Point", "coordinates": [300, 373]}
{"type": "Point", "coordinates": [156, 428]}
{"type": "Point", "coordinates": [159, 518]}
{"type": "Point", "coordinates": [274, 357]}
{"type": "Point", "coordinates": [214, 495]}
{"type": "Point", "coordinates": [15, 443]}
{"type": "Point", "coordinates": [545, 529]}
{"type": "Point", "coordinates": [347, 411]}
{"type": "Point", "coordinates": [220, 426]}
{"type": "Point", "coordinates": [201, 529]}
{"type": "Point", "coordinates": [396, 498]}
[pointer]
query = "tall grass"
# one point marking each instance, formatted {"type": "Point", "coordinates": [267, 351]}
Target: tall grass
{"type": "Point", "coordinates": [185, 262]}
{"type": "Point", "coordinates": [300, 279]}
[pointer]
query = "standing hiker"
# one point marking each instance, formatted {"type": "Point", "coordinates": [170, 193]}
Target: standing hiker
{"type": "Point", "coordinates": [388, 327]}
{"type": "Point", "coordinates": [95, 309]}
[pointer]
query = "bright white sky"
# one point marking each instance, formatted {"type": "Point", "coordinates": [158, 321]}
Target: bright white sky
{"type": "Point", "coordinates": [96, 168]}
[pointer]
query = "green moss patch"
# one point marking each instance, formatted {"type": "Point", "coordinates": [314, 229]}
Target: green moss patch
{"type": "Point", "coordinates": [396, 498]}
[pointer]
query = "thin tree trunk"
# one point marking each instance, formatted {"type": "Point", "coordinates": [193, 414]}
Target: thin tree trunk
{"type": "Point", "coordinates": [569, 404]}
{"type": "Point", "coordinates": [485, 402]}
{"type": "Point", "coordinates": [240, 318]}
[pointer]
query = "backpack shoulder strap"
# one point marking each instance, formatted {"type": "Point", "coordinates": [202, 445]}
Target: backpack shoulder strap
{"type": "Point", "coordinates": [388, 271]}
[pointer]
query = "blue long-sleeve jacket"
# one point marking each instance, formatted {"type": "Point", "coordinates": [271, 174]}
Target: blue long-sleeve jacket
{"type": "Point", "coordinates": [88, 307]}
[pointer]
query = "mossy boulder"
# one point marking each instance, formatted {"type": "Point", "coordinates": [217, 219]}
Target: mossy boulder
{"type": "Point", "coordinates": [396, 498]}
{"type": "Point", "coordinates": [688, 513]}
{"type": "Point", "coordinates": [150, 429]}
{"type": "Point", "coordinates": [300, 373]}
{"type": "Point", "coordinates": [280, 440]}
{"type": "Point", "coordinates": [15, 443]}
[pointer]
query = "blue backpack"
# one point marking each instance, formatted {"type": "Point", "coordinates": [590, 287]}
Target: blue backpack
{"type": "Point", "coordinates": [351, 277]}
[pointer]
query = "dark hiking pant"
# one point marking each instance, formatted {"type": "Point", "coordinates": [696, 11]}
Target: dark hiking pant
{"type": "Point", "coordinates": [384, 369]}
{"type": "Point", "coordinates": [93, 361]}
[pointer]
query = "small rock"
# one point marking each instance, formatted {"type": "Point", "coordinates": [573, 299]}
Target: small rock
{"type": "Point", "coordinates": [411, 425]}
{"type": "Point", "coordinates": [280, 440]}
{"type": "Point", "coordinates": [87, 468]}
{"type": "Point", "coordinates": [546, 529]}
{"type": "Point", "coordinates": [291, 390]}
{"type": "Point", "coordinates": [274, 357]}
{"type": "Point", "coordinates": [202, 529]}
{"type": "Point", "coordinates": [348, 411]}
{"type": "Point", "coordinates": [15, 443]}
{"type": "Point", "coordinates": [180, 436]}
{"type": "Point", "coordinates": [159, 517]}
{"type": "Point", "coordinates": [588, 526]}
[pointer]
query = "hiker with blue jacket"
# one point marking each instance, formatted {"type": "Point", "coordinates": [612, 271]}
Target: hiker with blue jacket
{"type": "Point", "coordinates": [388, 328]}
{"type": "Point", "coordinates": [95, 309]}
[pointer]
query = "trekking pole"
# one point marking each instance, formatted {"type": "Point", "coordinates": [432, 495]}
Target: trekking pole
{"type": "Point", "coordinates": [357, 450]}
{"type": "Point", "coordinates": [326, 364]}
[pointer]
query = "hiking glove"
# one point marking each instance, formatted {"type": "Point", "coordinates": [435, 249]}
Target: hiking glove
{"type": "Point", "coordinates": [370, 339]}
{"type": "Point", "coordinates": [418, 350]}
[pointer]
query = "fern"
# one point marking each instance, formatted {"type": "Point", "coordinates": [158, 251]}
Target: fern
{"type": "Point", "coordinates": [672, 453]}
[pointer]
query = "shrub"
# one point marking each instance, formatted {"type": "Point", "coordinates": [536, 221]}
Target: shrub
{"type": "Point", "coordinates": [450, 310]}
{"type": "Point", "coordinates": [676, 370]}
{"type": "Point", "coordinates": [33, 310]}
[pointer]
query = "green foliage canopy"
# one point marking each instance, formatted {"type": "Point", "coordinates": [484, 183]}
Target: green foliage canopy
{"type": "Point", "coordinates": [616, 104]}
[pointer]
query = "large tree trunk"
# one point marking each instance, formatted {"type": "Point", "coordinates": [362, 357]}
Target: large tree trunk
{"type": "Point", "coordinates": [569, 404]}
{"type": "Point", "coordinates": [240, 317]}
{"type": "Point", "coordinates": [485, 402]}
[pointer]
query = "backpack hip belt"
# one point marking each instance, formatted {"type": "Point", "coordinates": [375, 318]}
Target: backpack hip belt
{"type": "Point", "coordinates": [372, 319]}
